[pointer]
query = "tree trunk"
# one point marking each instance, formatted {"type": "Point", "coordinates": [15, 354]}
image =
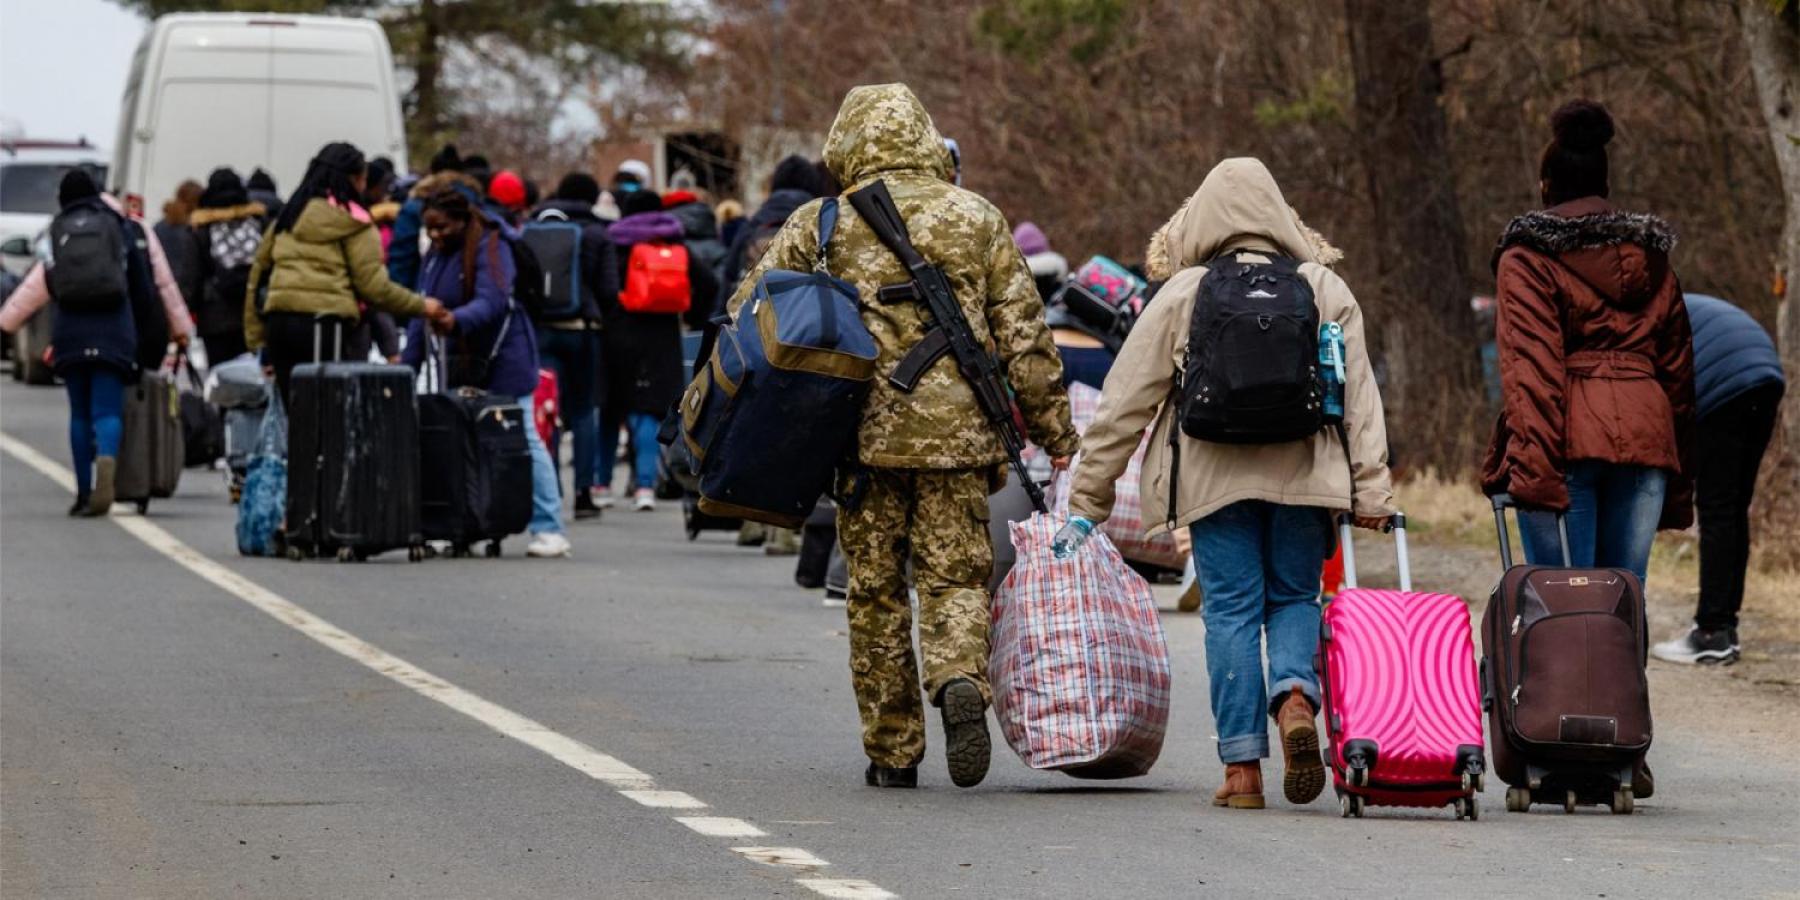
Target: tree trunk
{"type": "Point", "coordinates": [1433, 389]}
{"type": "Point", "coordinates": [428, 118]}
{"type": "Point", "coordinates": [1773, 39]}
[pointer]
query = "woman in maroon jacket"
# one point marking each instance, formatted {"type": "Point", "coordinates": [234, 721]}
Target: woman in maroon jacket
{"type": "Point", "coordinates": [1596, 363]}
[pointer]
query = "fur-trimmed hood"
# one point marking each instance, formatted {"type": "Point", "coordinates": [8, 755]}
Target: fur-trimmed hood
{"type": "Point", "coordinates": [430, 184]}
{"type": "Point", "coordinates": [200, 218]}
{"type": "Point", "coordinates": [1623, 256]}
{"type": "Point", "coordinates": [384, 213]}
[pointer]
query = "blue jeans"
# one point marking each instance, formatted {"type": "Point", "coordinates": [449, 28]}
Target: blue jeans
{"type": "Point", "coordinates": [96, 404]}
{"type": "Point", "coordinates": [546, 498]}
{"type": "Point", "coordinates": [1259, 565]}
{"type": "Point", "coordinates": [645, 451]}
{"type": "Point", "coordinates": [574, 357]}
{"type": "Point", "coordinates": [1612, 517]}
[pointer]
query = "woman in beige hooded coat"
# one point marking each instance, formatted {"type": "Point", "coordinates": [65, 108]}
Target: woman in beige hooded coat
{"type": "Point", "coordinates": [1259, 514]}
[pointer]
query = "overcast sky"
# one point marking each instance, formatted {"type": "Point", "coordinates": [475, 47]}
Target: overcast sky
{"type": "Point", "coordinates": [63, 65]}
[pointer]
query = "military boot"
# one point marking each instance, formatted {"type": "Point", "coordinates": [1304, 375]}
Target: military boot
{"type": "Point", "coordinates": [967, 747]}
{"type": "Point", "coordinates": [1303, 773]}
{"type": "Point", "coordinates": [888, 777]}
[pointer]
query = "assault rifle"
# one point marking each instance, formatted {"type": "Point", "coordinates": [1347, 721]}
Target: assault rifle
{"type": "Point", "coordinates": [948, 332]}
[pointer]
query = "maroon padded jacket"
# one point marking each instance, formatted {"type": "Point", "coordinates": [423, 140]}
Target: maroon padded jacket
{"type": "Point", "coordinates": [1596, 356]}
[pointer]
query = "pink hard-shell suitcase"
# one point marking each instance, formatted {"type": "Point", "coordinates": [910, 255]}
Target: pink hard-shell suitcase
{"type": "Point", "coordinates": [1402, 702]}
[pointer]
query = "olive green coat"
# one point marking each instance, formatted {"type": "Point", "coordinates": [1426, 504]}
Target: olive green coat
{"type": "Point", "coordinates": [322, 265]}
{"type": "Point", "coordinates": [883, 132]}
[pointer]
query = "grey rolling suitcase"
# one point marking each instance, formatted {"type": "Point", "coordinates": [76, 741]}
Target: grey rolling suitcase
{"type": "Point", "coordinates": [151, 448]}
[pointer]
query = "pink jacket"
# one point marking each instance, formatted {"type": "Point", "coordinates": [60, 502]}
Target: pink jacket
{"type": "Point", "coordinates": [34, 292]}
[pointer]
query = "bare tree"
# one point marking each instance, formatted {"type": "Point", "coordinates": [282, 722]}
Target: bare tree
{"type": "Point", "coordinates": [1432, 353]}
{"type": "Point", "coordinates": [1772, 35]}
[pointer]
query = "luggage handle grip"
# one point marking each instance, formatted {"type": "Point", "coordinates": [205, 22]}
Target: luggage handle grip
{"type": "Point", "coordinates": [1504, 500]}
{"type": "Point", "coordinates": [1396, 523]}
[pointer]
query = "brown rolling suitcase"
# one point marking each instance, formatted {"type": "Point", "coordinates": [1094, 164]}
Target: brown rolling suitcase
{"type": "Point", "coordinates": [151, 446]}
{"type": "Point", "coordinates": [1563, 655]}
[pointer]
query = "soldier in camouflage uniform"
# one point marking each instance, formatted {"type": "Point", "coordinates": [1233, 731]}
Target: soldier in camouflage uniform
{"type": "Point", "coordinates": [932, 458]}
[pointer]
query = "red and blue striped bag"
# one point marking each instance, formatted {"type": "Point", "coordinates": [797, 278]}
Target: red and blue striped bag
{"type": "Point", "coordinates": [1078, 666]}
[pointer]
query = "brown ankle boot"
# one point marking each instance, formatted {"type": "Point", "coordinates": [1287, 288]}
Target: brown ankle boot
{"type": "Point", "coordinates": [1242, 788]}
{"type": "Point", "coordinates": [1303, 773]}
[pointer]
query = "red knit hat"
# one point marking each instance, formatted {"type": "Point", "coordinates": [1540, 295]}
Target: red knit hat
{"type": "Point", "coordinates": [507, 189]}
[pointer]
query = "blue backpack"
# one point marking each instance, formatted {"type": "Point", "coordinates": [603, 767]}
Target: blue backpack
{"type": "Point", "coordinates": [264, 501]}
{"type": "Point", "coordinates": [775, 409]}
{"type": "Point", "coordinates": [554, 245]}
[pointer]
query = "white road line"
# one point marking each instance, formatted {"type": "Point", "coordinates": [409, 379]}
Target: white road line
{"type": "Point", "coordinates": [781, 856]}
{"type": "Point", "coordinates": [721, 826]}
{"type": "Point", "coordinates": [633, 783]}
{"type": "Point", "coordinates": [844, 888]}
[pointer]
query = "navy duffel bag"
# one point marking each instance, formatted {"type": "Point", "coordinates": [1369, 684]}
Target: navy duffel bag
{"type": "Point", "coordinates": [775, 409]}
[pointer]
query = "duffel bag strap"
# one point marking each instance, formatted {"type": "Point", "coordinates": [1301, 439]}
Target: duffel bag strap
{"type": "Point", "coordinates": [828, 216]}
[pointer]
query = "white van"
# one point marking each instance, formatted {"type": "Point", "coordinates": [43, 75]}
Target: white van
{"type": "Point", "coordinates": [251, 90]}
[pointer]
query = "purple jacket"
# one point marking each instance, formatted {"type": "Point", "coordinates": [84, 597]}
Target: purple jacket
{"type": "Point", "coordinates": [514, 372]}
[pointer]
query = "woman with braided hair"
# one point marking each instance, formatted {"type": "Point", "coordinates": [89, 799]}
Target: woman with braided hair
{"type": "Point", "coordinates": [490, 341]}
{"type": "Point", "coordinates": [321, 255]}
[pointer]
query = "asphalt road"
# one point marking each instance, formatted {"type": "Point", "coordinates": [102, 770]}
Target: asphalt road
{"type": "Point", "coordinates": [160, 736]}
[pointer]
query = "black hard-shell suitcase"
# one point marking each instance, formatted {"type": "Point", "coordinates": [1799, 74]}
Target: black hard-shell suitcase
{"type": "Point", "coordinates": [1563, 681]}
{"type": "Point", "coordinates": [474, 470]}
{"type": "Point", "coordinates": [151, 447]}
{"type": "Point", "coordinates": [353, 461]}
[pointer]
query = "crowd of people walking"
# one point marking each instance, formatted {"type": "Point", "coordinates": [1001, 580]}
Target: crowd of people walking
{"type": "Point", "coordinates": [470, 277]}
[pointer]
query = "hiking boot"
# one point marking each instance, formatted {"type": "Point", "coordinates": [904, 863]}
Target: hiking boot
{"type": "Point", "coordinates": [782, 542]}
{"type": "Point", "coordinates": [106, 470]}
{"type": "Point", "coordinates": [967, 747]}
{"type": "Point", "coordinates": [885, 777]}
{"type": "Point", "coordinates": [1303, 773]}
{"type": "Point", "coordinates": [1242, 788]}
{"type": "Point", "coordinates": [1715, 647]}
{"type": "Point", "coordinates": [1643, 784]}
{"type": "Point", "coordinates": [752, 534]}
{"type": "Point", "coordinates": [80, 507]}
{"type": "Point", "coordinates": [585, 508]}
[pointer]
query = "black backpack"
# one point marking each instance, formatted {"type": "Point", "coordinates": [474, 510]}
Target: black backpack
{"type": "Point", "coordinates": [1251, 372]}
{"type": "Point", "coordinates": [528, 274]}
{"type": "Point", "coordinates": [555, 246]}
{"type": "Point", "coordinates": [88, 259]}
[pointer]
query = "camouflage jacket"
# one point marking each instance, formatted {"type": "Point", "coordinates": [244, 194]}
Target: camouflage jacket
{"type": "Point", "coordinates": [883, 132]}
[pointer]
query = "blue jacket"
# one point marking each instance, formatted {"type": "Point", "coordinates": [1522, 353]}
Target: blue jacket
{"type": "Point", "coordinates": [1732, 353]}
{"type": "Point", "coordinates": [403, 247]}
{"type": "Point", "coordinates": [480, 318]}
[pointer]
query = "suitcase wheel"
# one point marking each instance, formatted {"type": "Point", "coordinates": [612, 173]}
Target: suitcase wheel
{"type": "Point", "coordinates": [1569, 802]}
{"type": "Point", "coordinates": [1518, 800]}
{"type": "Point", "coordinates": [1350, 805]}
{"type": "Point", "coordinates": [493, 550]}
{"type": "Point", "coordinates": [143, 506]}
{"type": "Point", "coordinates": [345, 554]}
{"type": "Point", "coordinates": [296, 553]}
{"type": "Point", "coordinates": [1622, 802]}
{"type": "Point", "coordinates": [415, 553]}
{"type": "Point", "coordinates": [1467, 808]}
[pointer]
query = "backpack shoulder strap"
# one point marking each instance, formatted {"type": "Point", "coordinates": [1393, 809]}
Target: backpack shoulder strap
{"type": "Point", "coordinates": [828, 216]}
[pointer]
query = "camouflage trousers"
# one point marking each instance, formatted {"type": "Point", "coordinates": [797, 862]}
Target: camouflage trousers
{"type": "Point", "coordinates": [937, 519]}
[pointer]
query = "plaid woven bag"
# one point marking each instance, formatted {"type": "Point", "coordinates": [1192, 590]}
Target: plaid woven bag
{"type": "Point", "coordinates": [1126, 525]}
{"type": "Point", "coordinates": [1079, 669]}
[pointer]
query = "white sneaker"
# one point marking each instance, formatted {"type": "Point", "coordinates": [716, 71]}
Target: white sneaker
{"type": "Point", "coordinates": [603, 497]}
{"type": "Point", "coordinates": [549, 545]}
{"type": "Point", "coordinates": [645, 501]}
{"type": "Point", "coordinates": [1719, 647]}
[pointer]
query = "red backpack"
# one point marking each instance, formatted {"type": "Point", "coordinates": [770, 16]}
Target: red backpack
{"type": "Point", "coordinates": [656, 280]}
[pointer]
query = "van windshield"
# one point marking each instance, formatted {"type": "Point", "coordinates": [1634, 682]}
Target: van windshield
{"type": "Point", "coordinates": [31, 187]}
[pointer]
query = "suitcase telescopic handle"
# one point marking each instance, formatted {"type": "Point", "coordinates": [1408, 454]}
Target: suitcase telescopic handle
{"type": "Point", "coordinates": [1397, 524]}
{"type": "Point", "coordinates": [1501, 502]}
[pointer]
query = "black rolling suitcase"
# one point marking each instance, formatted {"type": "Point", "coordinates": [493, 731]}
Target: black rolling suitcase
{"type": "Point", "coordinates": [1563, 656]}
{"type": "Point", "coordinates": [353, 461]}
{"type": "Point", "coordinates": [474, 470]}
{"type": "Point", "coordinates": [150, 445]}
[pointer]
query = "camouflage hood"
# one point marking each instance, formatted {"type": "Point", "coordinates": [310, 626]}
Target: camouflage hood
{"type": "Point", "coordinates": [883, 128]}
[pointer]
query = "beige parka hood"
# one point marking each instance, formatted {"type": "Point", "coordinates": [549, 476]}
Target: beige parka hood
{"type": "Point", "coordinates": [1238, 210]}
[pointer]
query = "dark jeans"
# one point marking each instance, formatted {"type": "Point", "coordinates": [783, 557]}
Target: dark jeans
{"type": "Point", "coordinates": [575, 358]}
{"type": "Point", "coordinates": [289, 341]}
{"type": "Point", "coordinates": [1729, 451]}
{"type": "Point", "coordinates": [1612, 517]}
